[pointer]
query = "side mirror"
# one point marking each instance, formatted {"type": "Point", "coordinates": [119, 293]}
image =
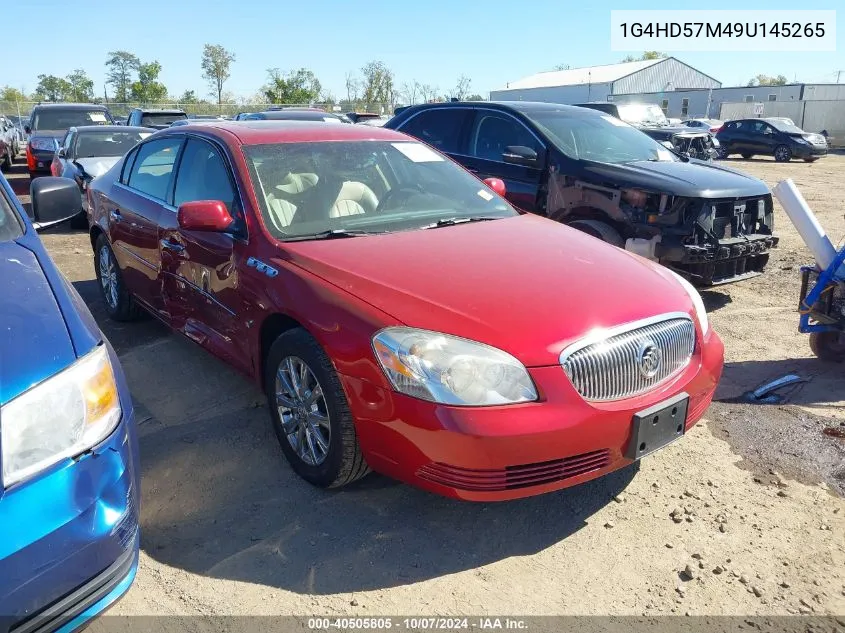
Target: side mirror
{"type": "Point", "coordinates": [54, 200]}
{"type": "Point", "coordinates": [519, 155]}
{"type": "Point", "coordinates": [27, 129]}
{"type": "Point", "coordinates": [497, 185]}
{"type": "Point", "coordinates": [204, 215]}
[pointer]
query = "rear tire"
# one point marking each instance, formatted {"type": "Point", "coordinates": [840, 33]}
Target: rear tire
{"type": "Point", "coordinates": [828, 346]}
{"type": "Point", "coordinates": [6, 165]}
{"type": "Point", "coordinates": [601, 230]}
{"type": "Point", "coordinates": [119, 303]}
{"type": "Point", "coordinates": [783, 154]}
{"type": "Point", "coordinates": [301, 418]}
{"type": "Point", "coordinates": [724, 152]}
{"type": "Point", "coordinates": [748, 156]}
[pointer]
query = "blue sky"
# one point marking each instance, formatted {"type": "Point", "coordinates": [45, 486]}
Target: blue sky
{"type": "Point", "coordinates": [433, 42]}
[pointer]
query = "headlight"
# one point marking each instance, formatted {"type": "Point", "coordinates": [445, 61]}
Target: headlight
{"type": "Point", "coordinates": [451, 370]}
{"type": "Point", "coordinates": [802, 141]}
{"type": "Point", "coordinates": [700, 310]}
{"type": "Point", "coordinates": [62, 417]}
{"type": "Point", "coordinates": [43, 144]}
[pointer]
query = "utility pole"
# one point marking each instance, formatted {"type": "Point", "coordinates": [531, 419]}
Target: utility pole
{"type": "Point", "coordinates": [838, 73]}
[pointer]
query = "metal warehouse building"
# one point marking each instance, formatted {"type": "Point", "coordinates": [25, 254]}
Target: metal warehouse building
{"type": "Point", "coordinates": [602, 83]}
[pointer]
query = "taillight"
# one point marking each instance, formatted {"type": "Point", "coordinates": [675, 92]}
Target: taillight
{"type": "Point", "coordinates": [30, 159]}
{"type": "Point", "coordinates": [714, 130]}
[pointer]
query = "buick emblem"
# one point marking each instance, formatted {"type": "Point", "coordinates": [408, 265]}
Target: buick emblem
{"type": "Point", "coordinates": [649, 359]}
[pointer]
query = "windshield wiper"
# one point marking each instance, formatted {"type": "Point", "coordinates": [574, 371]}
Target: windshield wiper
{"type": "Point", "coordinates": [454, 221]}
{"type": "Point", "coordinates": [331, 234]}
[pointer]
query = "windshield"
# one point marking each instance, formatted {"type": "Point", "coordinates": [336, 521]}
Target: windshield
{"type": "Point", "coordinates": [368, 186]}
{"type": "Point", "coordinates": [103, 144]}
{"type": "Point", "coordinates": [602, 138]}
{"type": "Point", "coordinates": [151, 119]}
{"type": "Point", "coordinates": [58, 119]}
{"type": "Point", "coordinates": [642, 113]}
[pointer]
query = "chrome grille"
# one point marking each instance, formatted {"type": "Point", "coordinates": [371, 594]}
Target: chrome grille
{"type": "Point", "coordinates": [630, 360]}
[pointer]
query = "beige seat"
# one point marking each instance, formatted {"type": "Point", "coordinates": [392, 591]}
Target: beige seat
{"type": "Point", "coordinates": [354, 198]}
{"type": "Point", "coordinates": [294, 184]}
{"type": "Point", "coordinates": [281, 212]}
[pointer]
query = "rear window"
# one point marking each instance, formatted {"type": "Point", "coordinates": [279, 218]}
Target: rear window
{"type": "Point", "coordinates": [60, 119]}
{"type": "Point", "coordinates": [151, 119]}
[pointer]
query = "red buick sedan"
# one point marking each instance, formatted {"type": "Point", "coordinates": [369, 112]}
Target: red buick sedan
{"type": "Point", "coordinates": [400, 315]}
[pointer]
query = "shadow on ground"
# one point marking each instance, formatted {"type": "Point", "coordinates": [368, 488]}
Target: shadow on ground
{"type": "Point", "coordinates": [219, 499]}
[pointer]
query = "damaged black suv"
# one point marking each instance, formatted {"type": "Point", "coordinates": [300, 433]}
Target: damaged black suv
{"type": "Point", "coordinates": [600, 175]}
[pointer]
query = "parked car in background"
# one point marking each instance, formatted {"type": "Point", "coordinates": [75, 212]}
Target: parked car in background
{"type": "Point", "coordinates": [650, 119]}
{"type": "Point", "coordinates": [602, 176]}
{"type": "Point", "coordinates": [313, 257]}
{"type": "Point", "coordinates": [70, 478]}
{"type": "Point", "coordinates": [48, 123]}
{"type": "Point", "coordinates": [358, 117]}
{"type": "Point", "coordinates": [154, 118]}
{"type": "Point", "coordinates": [292, 114]}
{"type": "Point", "coordinates": [770, 137]}
{"type": "Point", "coordinates": [712, 125]}
{"type": "Point", "coordinates": [779, 119]}
{"type": "Point", "coordinates": [375, 121]}
{"type": "Point", "coordinates": [90, 151]}
{"type": "Point", "coordinates": [8, 143]}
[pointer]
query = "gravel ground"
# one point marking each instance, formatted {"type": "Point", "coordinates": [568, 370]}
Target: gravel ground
{"type": "Point", "coordinates": [742, 517]}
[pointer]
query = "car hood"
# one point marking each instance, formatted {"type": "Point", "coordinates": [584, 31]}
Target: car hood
{"type": "Point", "coordinates": [693, 179]}
{"type": "Point", "coordinates": [97, 166]}
{"type": "Point", "coordinates": [34, 339]}
{"type": "Point", "coordinates": [526, 285]}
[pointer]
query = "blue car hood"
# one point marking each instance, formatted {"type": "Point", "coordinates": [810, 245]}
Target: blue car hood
{"type": "Point", "coordinates": [34, 339]}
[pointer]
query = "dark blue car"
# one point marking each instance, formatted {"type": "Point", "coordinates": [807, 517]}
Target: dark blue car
{"type": "Point", "coordinates": [69, 473]}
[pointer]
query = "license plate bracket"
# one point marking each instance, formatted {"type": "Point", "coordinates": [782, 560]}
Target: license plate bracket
{"type": "Point", "coordinates": [657, 426]}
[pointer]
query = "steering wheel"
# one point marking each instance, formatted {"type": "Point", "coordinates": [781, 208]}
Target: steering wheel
{"type": "Point", "coordinates": [399, 194]}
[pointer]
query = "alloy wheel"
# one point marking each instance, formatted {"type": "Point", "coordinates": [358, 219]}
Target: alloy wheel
{"type": "Point", "coordinates": [108, 277]}
{"type": "Point", "coordinates": [302, 410]}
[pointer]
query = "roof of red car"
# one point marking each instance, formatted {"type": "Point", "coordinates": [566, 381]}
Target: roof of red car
{"type": "Point", "coordinates": [261, 132]}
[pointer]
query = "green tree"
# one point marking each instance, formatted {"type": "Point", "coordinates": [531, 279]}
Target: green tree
{"type": "Point", "coordinates": [10, 95]}
{"type": "Point", "coordinates": [295, 87]}
{"type": "Point", "coordinates": [766, 80]}
{"type": "Point", "coordinates": [52, 88]}
{"type": "Point", "coordinates": [475, 97]}
{"type": "Point", "coordinates": [188, 97]}
{"type": "Point", "coordinates": [81, 86]}
{"type": "Point", "coordinates": [148, 89]}
{"type": "Point", "coordinates": [377, 83]}
{"type": "Point", "coordinates": [647, 55]}
{"type": "Point", "coordinates": [216, 65]}
{"type": "Point", "coordinates": [122, 66]}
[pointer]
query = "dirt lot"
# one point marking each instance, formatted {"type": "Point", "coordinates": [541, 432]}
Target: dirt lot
{"type": "Point", "coordinates": [228, 529]}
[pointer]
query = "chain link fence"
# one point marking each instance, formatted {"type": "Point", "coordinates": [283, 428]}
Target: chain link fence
{"type": "Point", "coordinates": [120, 111]}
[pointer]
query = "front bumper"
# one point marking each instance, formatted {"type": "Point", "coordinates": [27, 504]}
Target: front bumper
{"type": "Point", "coordinates": [69, 538]}
{"type": "Point", "coordinates": [809, 151]}
{"type": "Point", "coordinates": [733, 260]}
{"type": "Point", "coordinates": [507, 452]}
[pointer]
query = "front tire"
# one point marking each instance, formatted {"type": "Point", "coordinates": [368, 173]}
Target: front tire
{"type": "Point", "coordinates": [783, 154]}
{"type": "Point", "coordinates": [601, 230]}
{"type": "Point", "coordinates": [828, 346]}
{"type": "Point", "coordinates": [310, 412]}
{"type": "Point", "coordinates": [119, 303]}
{"type": "Point", "coordinates": [748, 156]}
{"type": "Point", "coordinates": [6, 165]}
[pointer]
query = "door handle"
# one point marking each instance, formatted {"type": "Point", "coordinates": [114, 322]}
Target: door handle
{"type": "Point", "coordinates": [115, 215]}
{"type": "Point", "coordinates": [171, 246]}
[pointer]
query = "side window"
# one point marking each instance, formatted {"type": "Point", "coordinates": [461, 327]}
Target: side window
{"type": "Point", "coordinates": [127, 166]}
{"type": "Point", "coordinates": [493, 133]}
{"type": "Point", "coordinates": [439, 127]}
{"type": "Point", "coordinates": [203, 175]}
{"type": "Point", "coordinates": [154, 166]}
